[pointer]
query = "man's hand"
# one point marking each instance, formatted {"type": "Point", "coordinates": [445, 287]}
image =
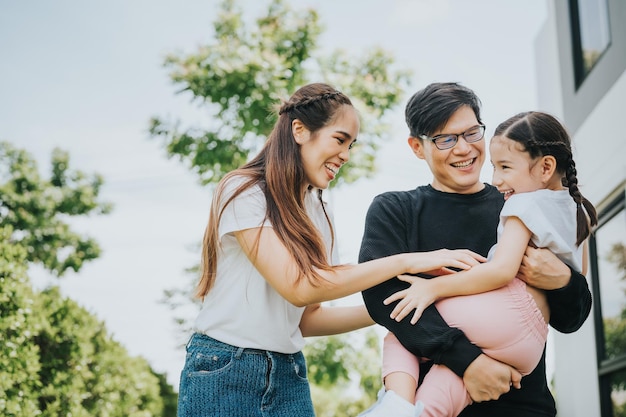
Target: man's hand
{"type": "Point", "coordinates": [487, 379]}
{"type": "Point", "coordinates": [541, 269]}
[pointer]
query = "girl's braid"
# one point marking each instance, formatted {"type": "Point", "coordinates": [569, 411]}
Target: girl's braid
{"type": "Point", "coordinates": [571, 181]}
{"type": "Point", "coordinates": [536, 147]}
{"type": "Point", "coordinates": [584, 218]}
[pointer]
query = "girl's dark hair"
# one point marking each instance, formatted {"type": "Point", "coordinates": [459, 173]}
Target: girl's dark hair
{"type": "Point", "coordinates": [430, 108]}
{"type": "Point", "coordinates": [279, 172]}
{"type": "Point", "coordinates": [542, 134]}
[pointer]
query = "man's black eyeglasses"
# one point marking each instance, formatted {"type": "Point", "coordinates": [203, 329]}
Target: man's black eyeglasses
{"type": "Point", "coordinates": [447, 141]}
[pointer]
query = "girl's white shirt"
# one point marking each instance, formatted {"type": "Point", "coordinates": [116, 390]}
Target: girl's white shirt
{"type": "Point", "coordinates": [242, 308]}
{"type": "Point", "coordinates": [551, 217]}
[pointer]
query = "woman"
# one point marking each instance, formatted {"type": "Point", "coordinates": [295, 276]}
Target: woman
{"type": "Point", "coordinates": [268, 264]}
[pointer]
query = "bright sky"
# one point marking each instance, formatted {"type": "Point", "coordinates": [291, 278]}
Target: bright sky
{"type": "Point", "coordinates": [87, 77]}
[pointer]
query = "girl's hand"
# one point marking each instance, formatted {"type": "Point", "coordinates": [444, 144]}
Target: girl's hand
{"type": "Point", "coordinates": [438, 262]}
{"type": "Point", "coordinates": [417, 297]}
{"type": "Point", "coordinates": [421, 293]}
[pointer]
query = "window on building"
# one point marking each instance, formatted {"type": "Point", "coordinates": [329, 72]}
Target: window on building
{"type": "Point", "coordinates": [591, 34]}
{"type": "Point", "coordinates": [607, 249]}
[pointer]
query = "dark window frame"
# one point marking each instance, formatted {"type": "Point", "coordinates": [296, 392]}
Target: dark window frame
{"type": "Point", "coordinates": [579, 102]}
{"type": "Point", "coordinates": [578, 53]}
{"type": "Point", "coordinates": [577, 47]}
{"type": "Point", "coordinates": [606, 367]}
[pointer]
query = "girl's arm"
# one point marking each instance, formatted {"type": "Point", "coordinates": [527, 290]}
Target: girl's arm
{"type": "Point", "coordinates": [272, 259]}
{"type": "Point", "coordinates": [319, 320]}
{"type": "Point", "coordinates": [494, 274]}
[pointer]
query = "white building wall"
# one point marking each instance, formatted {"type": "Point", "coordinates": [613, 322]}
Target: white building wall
{"type": "Point", "coordinates": [575, 379]}
{"type": "Point", "coordinates": [600, 155]}
{"type": "Point", "coordinates": [600, 145]}
{"type": "Point", "coordinates": [548, 75]}
{"type": "Point", "coordinates": [600, 159]}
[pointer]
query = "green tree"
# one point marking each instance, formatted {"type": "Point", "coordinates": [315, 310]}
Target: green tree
{"type": "Point", "coordinates": [56, 358]}
{"type": "Point", "coordinates": [615, 331]}
{"type": "Point", "coordinates": [38, 209]}
{"type": "Point", "coordinates": [242, 76]}
{"type": "Point", "coordinates": [344, 371]}
{"type": "Point", "coordinates": [84, 372]}
{"type": "Point", "coordinates": [168, 395]}
{"type": "Point", "coordinates": [19, 355]}
{"type": "Point", "coordinates": [615, 327]}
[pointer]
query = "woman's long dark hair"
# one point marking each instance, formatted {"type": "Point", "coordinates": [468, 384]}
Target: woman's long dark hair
{"type": "Point", "coordinates": [279, 172]}
{"type": "Point", "coordinates": [542, 134]}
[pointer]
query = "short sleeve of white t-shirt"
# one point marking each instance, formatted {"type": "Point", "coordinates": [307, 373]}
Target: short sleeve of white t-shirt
{"type": "Point", "coordinates": [246, 211]}
{"type": "Point", "coordinates": [551, 217]}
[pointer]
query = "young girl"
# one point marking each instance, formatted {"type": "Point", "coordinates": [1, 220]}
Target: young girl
{"type": "Point", "coordinates": [267, 261]}
{"type": "Point", "coordinates": [534, 170]}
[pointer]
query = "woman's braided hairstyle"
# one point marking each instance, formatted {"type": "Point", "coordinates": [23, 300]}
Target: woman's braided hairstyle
{"type": "Point", "coordinates": [297, 104]}
{"type": "Point", "coordinates": [542, 134]}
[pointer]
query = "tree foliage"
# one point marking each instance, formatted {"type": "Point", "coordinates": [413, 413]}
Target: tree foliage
{"type": "Point", "coordinates": [615, 327]}
{"type": "Point", "coordinates": [242, 76]}
{"type": "Point", "coordinates": [84, 372]}
{"type": "Point", "coordinates": [615, 332]}
{"type": "Point", "coordinates": [56, 358]}
{"type": "Point", "coordinates": [19, 355]}
{"type": "Point", "coordinates": [344, 371]}
{"type": "Point", "coordinates": [38, 210]}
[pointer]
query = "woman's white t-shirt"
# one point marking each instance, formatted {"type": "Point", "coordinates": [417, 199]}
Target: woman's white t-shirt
{"type": "Point", "coordinates": [242, 308]}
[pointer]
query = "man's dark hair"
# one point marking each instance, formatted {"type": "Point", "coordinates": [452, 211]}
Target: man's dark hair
{"type": "Point", "coordinates": [430, 108]}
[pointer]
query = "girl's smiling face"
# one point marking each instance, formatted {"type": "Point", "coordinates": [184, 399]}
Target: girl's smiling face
{"type": "Point", "coordinates": [514, 171]}
{"type": "Point", "coordinates": [325, 151]}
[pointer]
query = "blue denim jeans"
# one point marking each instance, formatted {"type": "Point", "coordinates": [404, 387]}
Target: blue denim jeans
{"type": "Point", "coordinates": [221, 380]}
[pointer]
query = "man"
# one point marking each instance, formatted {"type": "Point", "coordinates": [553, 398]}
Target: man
{"type": "Point", "coordinates": [457, 211]}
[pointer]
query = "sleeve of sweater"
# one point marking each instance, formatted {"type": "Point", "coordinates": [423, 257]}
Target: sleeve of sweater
{"type": "Point", "coordinates": [387, 233]}
{"type": "Point", "coordinates": [570, 305]}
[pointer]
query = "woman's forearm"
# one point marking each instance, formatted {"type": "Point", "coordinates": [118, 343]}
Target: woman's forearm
{"type": "Point", "coordinates": [276, 264]}
{"type": "Point", "coordinates": [319, 320]}
{"type": "Point", "coordinates": [346, 280]}
{"type": "Point", "coordinates": [342, 281]}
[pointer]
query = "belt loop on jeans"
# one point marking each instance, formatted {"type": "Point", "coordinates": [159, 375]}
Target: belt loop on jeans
{"type": "Point", "coordinates": [239, 352]}
{"type": "Point", "coordinates": [189, 342]}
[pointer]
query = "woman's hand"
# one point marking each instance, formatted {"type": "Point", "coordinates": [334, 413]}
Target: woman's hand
{"type": "Point", "coordinates": [417, 297]}
{"type": "Point", "coordinates": [440, 261]}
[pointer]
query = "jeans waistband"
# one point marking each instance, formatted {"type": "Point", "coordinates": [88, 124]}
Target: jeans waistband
{"type": "Point", "coordinates": [204, 340]}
